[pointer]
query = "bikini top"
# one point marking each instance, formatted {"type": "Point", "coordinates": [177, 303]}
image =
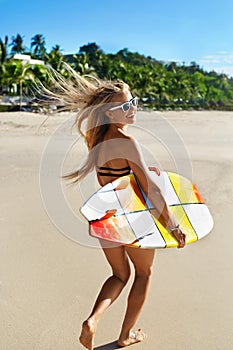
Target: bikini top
{"type": "Point", "coordinates": [119, 171]}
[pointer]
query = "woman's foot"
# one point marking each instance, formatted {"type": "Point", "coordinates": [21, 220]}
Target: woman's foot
{"type": "Point", "coordinates": [134, 337]}
{"type": "Point", "coordinates": [87, 335]}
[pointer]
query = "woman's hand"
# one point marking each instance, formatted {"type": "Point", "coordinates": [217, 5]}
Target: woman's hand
{"type": "Point", "coordinates": [180, 237]}
{"type": "Point", "coordinates": [152, 168]}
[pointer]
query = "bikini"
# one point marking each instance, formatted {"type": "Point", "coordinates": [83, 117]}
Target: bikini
{"type": "Point", "coordinates": [126, 171]}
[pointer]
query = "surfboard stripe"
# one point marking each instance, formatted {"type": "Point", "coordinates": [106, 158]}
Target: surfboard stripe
{"type": "Point", "coordinates": [198, 195]}
{"type": "Point", "coordinates": [148, 204]}
{"type": "Point", "coordinates": [125, 199]}
{"type": "Point", "coordinates": [185, 223]}
{"type": "Point", "coordinates": [168, 191]}
{"type": "Point", "coordinates": [184, 190]}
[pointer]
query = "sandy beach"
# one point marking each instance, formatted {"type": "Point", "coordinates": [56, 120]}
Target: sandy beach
{"type": "Point", "coordinates": [49, 279]}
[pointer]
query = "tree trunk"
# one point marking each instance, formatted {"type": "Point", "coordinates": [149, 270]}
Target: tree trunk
{"type": "Point", "coordinates": [21, 94]}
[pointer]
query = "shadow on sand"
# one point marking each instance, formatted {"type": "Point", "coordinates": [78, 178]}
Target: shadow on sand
{"type": "Point", "coordinates": [110, 346]}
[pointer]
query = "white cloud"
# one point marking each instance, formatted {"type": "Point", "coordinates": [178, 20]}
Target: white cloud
{"type": "Point", "coordinates": [209, 59]}
{"type": "Point", "coordinates": [222, 62]}
{"type": "Point", "coordinates": [229, 59]}
{"type": "Point", "coordinates": [225, 69]}
{"type": "Point", "coordinates": [222, 52]}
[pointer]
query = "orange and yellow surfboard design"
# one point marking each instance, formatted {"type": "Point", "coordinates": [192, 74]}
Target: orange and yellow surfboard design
{"type": "Point", "coordinates": [120, 213]}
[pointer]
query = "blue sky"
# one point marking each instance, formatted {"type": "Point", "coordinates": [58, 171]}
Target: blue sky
{"type": "Point", "coordinates": [178, 30]}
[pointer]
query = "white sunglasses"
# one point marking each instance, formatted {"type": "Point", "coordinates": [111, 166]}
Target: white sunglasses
{"type": "Point", "coordinates": [126, 105]}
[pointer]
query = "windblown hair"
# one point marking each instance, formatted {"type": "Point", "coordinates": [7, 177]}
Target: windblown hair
{"type": "Point", "coordinates": [91, 96]}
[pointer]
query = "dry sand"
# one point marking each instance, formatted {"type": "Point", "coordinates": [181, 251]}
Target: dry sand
{"type": "Point", "coordinates": [48, 282]}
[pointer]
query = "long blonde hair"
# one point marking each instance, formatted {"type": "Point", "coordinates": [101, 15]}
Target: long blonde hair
{"type": "Point", "coordinates": [91, 96]}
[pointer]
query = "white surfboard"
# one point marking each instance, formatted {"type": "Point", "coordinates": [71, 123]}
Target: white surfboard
{"type": "Point", "coordinates": [119, 212]}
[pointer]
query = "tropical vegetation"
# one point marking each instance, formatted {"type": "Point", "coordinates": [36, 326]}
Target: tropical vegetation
{"type": "Point", "coordinates": [159, 85]}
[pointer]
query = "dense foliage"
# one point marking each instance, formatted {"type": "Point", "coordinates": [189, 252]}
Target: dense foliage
{"type": "Point", "coordinates": [159, 85]}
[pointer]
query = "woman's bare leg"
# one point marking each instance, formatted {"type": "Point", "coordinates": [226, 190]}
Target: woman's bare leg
{"type": "Point", "coordinates": [142, 260]}
{"type": "Point", "coordinates": [111, 289]}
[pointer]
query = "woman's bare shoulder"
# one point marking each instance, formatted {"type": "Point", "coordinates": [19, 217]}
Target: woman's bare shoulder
{"type": "Point", "coordinates": [123, 134]}
{"type": "Point", "coordinates": [118, 140]}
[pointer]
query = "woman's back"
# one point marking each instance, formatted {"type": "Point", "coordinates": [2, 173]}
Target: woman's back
{"type": "Point", "coordinates": [112, 161]}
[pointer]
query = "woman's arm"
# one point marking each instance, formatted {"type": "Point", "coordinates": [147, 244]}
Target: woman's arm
{"type": "Point", "coordinates": [152, 191]}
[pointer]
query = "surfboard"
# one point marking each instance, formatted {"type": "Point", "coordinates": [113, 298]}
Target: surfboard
{"type": "Point", "coordinates": [119, 212]}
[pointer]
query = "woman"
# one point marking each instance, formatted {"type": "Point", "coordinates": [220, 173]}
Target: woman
{"type": "Point", "coordinates": [108, 108]}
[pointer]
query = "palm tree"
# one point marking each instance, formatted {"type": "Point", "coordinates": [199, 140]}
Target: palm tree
{"type": "Point", "coordinates": [38, 43]}
{"type": "Point", "coordinates": [2, 72]}
{"type": "Point", "coordinates": [25, 77]}
{"type": "Point", "coordinates": [3, 49]}
{"type": "Point", "coordinates": [171, 67]}
{"type": "Point", "coordinates": [16, 72]}
{"type": "Point", "coordinates": [17, 44]}
{"type": "Point", "coordinates": [55, 57]}
{"type": "Point", "coordinates": [104, 67]}
{"type": "Point", "coordinates": [41, 74]}
{"type": "Point", "coordinates": [93, 52]}
{"type": "Point", "coordinates": [81, 64]}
